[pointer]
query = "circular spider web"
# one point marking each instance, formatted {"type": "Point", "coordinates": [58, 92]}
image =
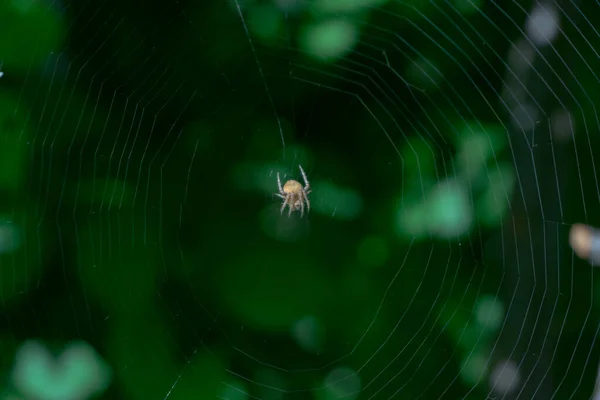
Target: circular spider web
{"type": "Point", "coordinates": [449, 146]}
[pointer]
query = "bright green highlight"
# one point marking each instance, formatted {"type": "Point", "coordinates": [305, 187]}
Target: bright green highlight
{"type": "Point", "coordinates": [10, 236]}
{"type": "Point", "coordinates": [446, 213]}
{"type": "Point", "coordinates": [78, 372]}
{"type": "Point", "coordinates": [329, 40]}
{"type": "Point", "coordinates": [450, 213]}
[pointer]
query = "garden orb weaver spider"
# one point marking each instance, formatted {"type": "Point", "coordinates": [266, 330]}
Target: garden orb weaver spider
{"type": "Point", "coordinates": [294, 195]}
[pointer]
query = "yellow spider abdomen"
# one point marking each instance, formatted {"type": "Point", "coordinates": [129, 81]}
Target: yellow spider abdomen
{"type": "Point", "coordinates": [292, 186]}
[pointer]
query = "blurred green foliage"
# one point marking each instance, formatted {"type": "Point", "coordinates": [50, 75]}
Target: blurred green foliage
{"type": "Point", "coordinates": [140, 148]}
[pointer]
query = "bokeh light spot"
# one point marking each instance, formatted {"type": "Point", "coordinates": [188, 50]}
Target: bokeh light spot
{"type": "Point", "coordinates": [330, 39]}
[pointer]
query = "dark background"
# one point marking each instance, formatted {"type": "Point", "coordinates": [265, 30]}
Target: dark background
{"type": "Point", "coordinates": [449, 151]}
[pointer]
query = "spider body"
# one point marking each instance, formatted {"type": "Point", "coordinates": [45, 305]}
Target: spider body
{"type": "Point", "coordinates": [294, 195]}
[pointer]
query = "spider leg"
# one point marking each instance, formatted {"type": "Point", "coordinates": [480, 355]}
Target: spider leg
{"type": "Point", "coordinates": [291, 208]}
{"type": "Point", "coordinates": [306, 183]}
{"type": "Point", "coordinates": [305, 195]}
{"type": "Point", "coordinates": [280, 195]}
{"type": "Point", "coordinates": [301, 208]}
{"type": "Point", "coordinates": [285, 201]}
{"type": "Point", "coordinates": [279, 183]}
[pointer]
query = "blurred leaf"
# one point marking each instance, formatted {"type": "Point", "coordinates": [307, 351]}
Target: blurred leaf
{"type": "Point", "coordinates": [30, 32]}
{"type": "Point", "coordinates": [330, 39]}
{"type": "Point", "coordinates": [449, 209]}
{"type": "Point", "coordinates": [77, 373]}
{"type": "Point", "coordinates": [476, 146]}
{"type": "Point", "coordinates": [493, 204]}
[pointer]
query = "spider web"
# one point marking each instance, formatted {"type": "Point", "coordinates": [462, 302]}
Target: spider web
{"type": "Point", "coordinates": [449, 148]}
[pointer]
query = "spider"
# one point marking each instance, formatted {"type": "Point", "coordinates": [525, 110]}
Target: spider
{"type": "Point", "coordinates": [294, 195]}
